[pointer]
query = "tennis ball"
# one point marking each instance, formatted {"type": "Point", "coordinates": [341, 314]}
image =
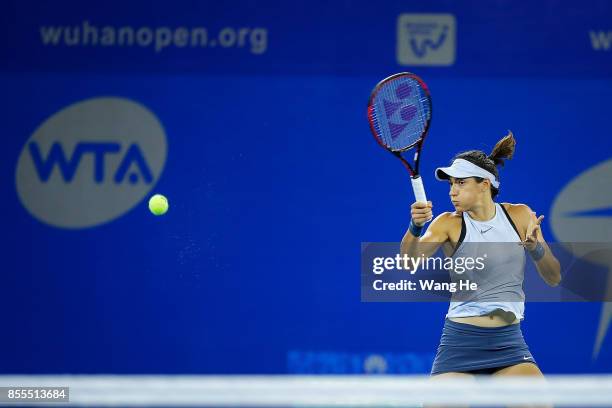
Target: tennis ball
{"type": "Point", "coordinates": [158, 204]}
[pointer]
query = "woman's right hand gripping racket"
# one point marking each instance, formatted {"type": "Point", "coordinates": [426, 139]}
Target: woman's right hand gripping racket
{"type": "Point", "coordinates": [399, 112]}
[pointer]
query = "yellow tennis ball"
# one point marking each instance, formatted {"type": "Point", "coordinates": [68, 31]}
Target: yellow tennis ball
{"type": "Point", "coordinates": [158, 204]}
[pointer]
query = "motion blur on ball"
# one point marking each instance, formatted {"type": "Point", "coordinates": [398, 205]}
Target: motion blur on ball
{"type": "Point", "coordinates": [158, 204]}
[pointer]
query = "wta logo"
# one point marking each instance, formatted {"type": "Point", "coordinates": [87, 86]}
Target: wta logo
{"type": "Point", "coordinates": [426, 39]}
{"type": "Point", "coordinates": [582, 212]}
{"type": "Point", "coordinates": [91, 162]}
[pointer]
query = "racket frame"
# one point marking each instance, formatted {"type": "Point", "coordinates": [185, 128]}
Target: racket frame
{"type": "Point", "coordinates": [413, 170]}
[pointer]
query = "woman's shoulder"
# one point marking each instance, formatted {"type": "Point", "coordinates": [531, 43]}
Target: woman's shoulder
{"type": "Point", "coordinates": [518, 209]}
{"type": "Point", "coordinates": [449, 218]}
{"type": "Point", "coordinates": [450, 223]}
{"type": "Point", "coordinates": [520, 213]}
{"type": "Point", "coordinates": [451, 215]}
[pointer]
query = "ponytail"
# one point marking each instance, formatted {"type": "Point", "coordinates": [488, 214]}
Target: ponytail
{"type": "Point", "coordinates": [504, 149]}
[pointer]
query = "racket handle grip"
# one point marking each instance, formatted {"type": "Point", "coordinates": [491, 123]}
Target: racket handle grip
{"type": "Point", "coordinates": [419, 190]}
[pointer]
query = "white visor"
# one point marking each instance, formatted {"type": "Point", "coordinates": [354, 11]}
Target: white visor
{"type": "Point", "coordinates": [462, 168]}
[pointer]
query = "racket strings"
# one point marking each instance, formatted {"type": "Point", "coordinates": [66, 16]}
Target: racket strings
{"type": "Point", "coordinates": [400, 113]}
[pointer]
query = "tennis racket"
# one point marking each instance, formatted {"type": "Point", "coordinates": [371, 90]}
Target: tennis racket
{"type": "Point", "coordinates": [399, 112]}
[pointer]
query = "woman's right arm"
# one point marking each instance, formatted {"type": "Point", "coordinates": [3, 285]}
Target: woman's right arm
{"type": "Point", "coordinates": [436, 234]}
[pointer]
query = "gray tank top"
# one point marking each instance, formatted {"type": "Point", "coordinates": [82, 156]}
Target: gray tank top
{"type": "Point", "coordinates": [500, 283]}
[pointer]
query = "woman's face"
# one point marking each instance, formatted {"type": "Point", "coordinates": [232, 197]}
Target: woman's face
{"type": "Point", "coordinates": [465, 192]}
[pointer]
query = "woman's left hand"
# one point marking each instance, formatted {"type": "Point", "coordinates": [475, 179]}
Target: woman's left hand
{"type": "Point", "coordinates": [531, 237]}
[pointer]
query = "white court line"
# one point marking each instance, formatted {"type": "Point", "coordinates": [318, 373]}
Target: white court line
{"type": "Point", "coordinates": [319, 391]}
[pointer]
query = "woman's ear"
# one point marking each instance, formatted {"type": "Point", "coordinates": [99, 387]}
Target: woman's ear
{"type": "Point", "coordinates": [484, 185]}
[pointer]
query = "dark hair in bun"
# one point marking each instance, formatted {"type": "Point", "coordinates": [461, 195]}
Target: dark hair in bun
{"type": "Point", "coordinates": [504, 149]}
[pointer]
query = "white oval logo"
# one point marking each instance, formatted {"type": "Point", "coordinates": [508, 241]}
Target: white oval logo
{"type": "Point", "coordinates": [91, 162]}
{"type": "Point", "coordinates": [582, 210]}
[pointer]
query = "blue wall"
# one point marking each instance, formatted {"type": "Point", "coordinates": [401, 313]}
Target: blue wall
{"type": "Point", "coordinates": [274, 181]}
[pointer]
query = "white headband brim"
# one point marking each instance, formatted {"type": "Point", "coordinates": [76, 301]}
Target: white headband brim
{"type": "Point", "coordinates": [462, 168]}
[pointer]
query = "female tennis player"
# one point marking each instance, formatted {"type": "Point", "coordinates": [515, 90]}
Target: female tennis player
{"type": "Point", "coordinates": [484, 337]}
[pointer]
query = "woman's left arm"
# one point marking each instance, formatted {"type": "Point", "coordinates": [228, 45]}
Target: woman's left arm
{"type": "Point", "coordinates": [548, 266]}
